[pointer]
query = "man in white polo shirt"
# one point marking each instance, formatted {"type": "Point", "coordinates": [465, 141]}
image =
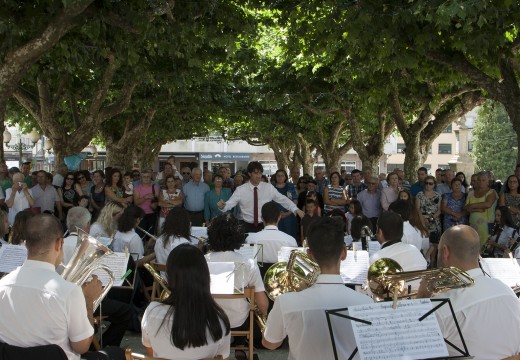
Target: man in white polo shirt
{"type": "Point", "coordinates": [301, 315]}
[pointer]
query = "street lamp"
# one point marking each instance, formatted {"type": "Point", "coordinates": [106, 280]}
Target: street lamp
{"type": "Point", "coordinates": [33, 136]}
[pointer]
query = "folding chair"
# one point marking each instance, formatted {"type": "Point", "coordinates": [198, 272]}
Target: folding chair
{"type": "Point", "coordinates": [129, 355]}
{"type": "Point", "coordinates": [249, 293]}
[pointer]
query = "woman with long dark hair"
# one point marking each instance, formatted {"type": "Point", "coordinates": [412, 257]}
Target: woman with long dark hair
{"type": "Point", "coordinates": [176, 230]}
{"type": "Point", "coordinates": [498, 240]}
{"type": "Point", "coordinates": [188, 324]}
{"type": "Point", "coordinates": [126, 237]}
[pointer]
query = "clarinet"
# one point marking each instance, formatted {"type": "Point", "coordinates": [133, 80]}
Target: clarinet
{"type": "Point", "coordinates": [488, 250]}
{"type": "Point", "coordinates": [512, 247]}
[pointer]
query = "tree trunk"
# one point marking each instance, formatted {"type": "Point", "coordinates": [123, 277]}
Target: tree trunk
{"type": "Point", "coordinates": [413, 159]}
{"type": "Point", "coordinates": [282, 153]}
{"type": "Point", "coordinates": [329, 144]}
{"type": "Point", "coordinates": [2, 127]}
{"type": "Point", "coordinates": [304, 155]}
{"type": "Point", "coordinates": [120, 155]}
{"type": "Point", "coordinates": [147, 154]}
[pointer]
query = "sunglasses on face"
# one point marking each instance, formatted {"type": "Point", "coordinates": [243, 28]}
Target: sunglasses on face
{"type": "Point", "coordinates": [186, 173]}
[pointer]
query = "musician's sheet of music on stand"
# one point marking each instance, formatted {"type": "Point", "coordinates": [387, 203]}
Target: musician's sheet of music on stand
{"type": "Point", "coordinates": [506, 270]}
{"type": "Point", "coordinates": [382, 333]}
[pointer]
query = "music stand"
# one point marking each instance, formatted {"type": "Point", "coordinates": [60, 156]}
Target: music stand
{"type": "Point", "coordinates": [464, 354]}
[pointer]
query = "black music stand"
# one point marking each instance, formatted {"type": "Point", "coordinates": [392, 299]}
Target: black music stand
{"type": "Point", "coordinates": [464, 354]}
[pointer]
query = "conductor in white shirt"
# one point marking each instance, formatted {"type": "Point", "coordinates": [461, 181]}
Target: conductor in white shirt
{"type": "Point", "coordinates": [252, 195]}
{"type": "Point", "coordinates": [488, 312]}
{"type": "Point", "coordinates": [270, 237]}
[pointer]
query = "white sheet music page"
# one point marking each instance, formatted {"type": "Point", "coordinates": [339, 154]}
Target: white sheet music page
{"type": "Point", "coordinates": [11, 257]}
{"type": "Point", "coordinates": [117, 262]}
{"type": "Point", "coordinates": [354, 268]}
{"type": "Point", "coordinates": [397, 334]}
{"type": "Point", "coordinates": [199, 231]}
{"type": "Point", "coordinates": [504, 269]}
{"type": "Point", "coordinates": [285, 252]}
{"type": "Point", "coordinates": [373, 247]}
{"type": "Point", "coordinates": [248, 251]}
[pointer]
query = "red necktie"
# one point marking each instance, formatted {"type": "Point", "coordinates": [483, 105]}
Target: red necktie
{"type": "Point", "coordinates": [255, 204]}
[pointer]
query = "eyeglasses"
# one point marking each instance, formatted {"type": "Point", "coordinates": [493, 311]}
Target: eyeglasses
{"type": "Point", "coordinates": [429, 183]}
{"type": "Point", "coordinates": [186, 173]}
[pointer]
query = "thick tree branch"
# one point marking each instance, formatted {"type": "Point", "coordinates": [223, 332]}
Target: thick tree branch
{"type": "Point", "coordinates": [27, 102]}
{"type": "Point", "coordinates": [99, 95]}
{"type": "Point", "coordinates": [122, 104]}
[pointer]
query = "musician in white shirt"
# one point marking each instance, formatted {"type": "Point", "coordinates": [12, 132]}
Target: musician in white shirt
{"type": "Point", "coordinates": [301, 315]}
{"type": "Point", "coordinates": [244, 196]}
{"type": "Point", "coordinates": [488, 312]}
{"type": "Point", "coordinates": [270, 237]}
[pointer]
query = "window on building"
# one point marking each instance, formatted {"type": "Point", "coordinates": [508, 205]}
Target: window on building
{"type": "Point", "coordinates": [348, 166]}
{"type": "Point", "coordinates": [448, 129]}
{"type": "Point", "coordinates": [392, 167]}
{"type": "Point", "coordinates": [401, 148]}
{"type": "Point", "coordinates": [444, 148]}
{"type": "Point", "coordinates": [470, 146]}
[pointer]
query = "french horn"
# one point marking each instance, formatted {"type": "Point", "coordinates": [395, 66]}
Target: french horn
{"type": "Point", "coordinates": [386, 277]}
{"type": "Point", "coordinates": [299, 273]}
{"type": "Point", "coordinates": [86, 260]}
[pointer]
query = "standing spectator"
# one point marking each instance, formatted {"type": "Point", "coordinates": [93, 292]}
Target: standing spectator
{"type": "Point", "coordinates": [382, 181]}
{"type": "Point", "coordinates": [45, 195]}
{"type": "Point", "coordinates": [194, 192]}
{"type": "Point", "coordinates": [67, 193]}
{"type": "Point", "coordinates": [146, 196]}
{"type": "Point", "coordinates": [83, 183]}
{"type": "Point", "coordinates": [5, 180]}
{"type": "Point", "coordinates": [439, 176]}
{"type": "Point", "coordinates": [225, 173]}
{"type": "Point", "coordinates": [356, 186]}
{"type": "Point", "coordinates": [167, 170]}
{"type": "Point", "coordinates": [287, 223]}
{"type": "Point", "coordinates": [26, 171]}
{"type": "Point", "coordinates": [115, 189]}
{"type": "Point", "coordinates": [295, 174]}
{"type": "Point", "coordinates": [168, 199]}
{"type": "Point", "coordinates": [238, 180]}
{"type": "Point", "coordinates": [19, 197]}
{"type": "Point", "coordinates": [321, 181]}
{"type": "Point", "coordinates": [480, 204]}
{"type": "Point", "coordinates": [212, 197]}
{"type": "Point", "coordinates": [310, 214]}
{"type": "Point", "coordinates": [370, 200]}
{"type": "Point", "coordinates": [354, 210]}
{"type": "Point", "coordinates": [452, 206]}
{"type": "Point", "coordinates": [334, 195]}
{"type": "Point", "coordinates": [511, 196]}
{"type": "Point", "coordinates": [460, 175]}
{"type": "Point", "coordinates": [59, 178]}
{"type": "Point", "coordinates": [391, 192]}
{"type": "Point", "coordinates": [186, 175]}
{"type": "Point", "coordinates": [207, 177]}
{"type": "Point", "coordinates": [97, 192]}
{"type": "Point", "coordinates": [428, 202]}
{"type": "Point", "coordinates": [422, 172]}
{"type": "Point", "coordinates": [402, 180]}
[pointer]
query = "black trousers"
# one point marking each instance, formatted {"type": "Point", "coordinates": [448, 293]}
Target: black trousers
{"type": "Point", "coordinates": [148, 223]}
{"type": "Point", "coordinates": [196, 218]}
{"type": "Point", "coordinates": [118, 313]}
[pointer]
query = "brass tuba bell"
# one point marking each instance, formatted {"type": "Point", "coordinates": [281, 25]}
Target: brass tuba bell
{"type": "Point", "coordinates": [299, 273]}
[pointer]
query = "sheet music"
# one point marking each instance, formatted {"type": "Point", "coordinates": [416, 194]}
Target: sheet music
{"type": "Point", "coordinates": [199, 231]}
{"type": "Point", "coordinates": [503, 269]}
{"type": "Point", "coordinates": [222, 277]}
{"type": "Point", "coordinates": [117, 262]}
{"type": "Point", "coordinates": [397, 334]}
{"type": "Point", "coordinates": [354, 268]}
{"type": "Point", "coordinates": [373, 247]}
{"type": "Point", "coordinates": [285, 252]}
{"type": "Point", "coordinates": [11, 257]}
{"type": "Point", "coordinates": [251, 251]}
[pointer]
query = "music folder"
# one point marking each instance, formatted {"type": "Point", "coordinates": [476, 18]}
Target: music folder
{"type": "Point", "coordinates": [413, 332]}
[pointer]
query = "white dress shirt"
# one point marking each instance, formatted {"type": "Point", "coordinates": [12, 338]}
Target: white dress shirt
{"type": "Point", "coordinates": [412, 235]}
{"type": "Point", "coordinates": [20, 203]}
{"type": "Point", "coordinates": [488, 314]}
{"type": "Point", "coordinates": [39, 307]}
{"type": "Point", "coordinates": [162, 252]}
{"type": "Point", "coordinates": [272, 240]}
{"type": "Point", "coordinates": [245, 275]}
{"type": "Point", "coordinates": [244, 196]}
{"type": "Point", "coordinates": [129, 240]}
{"type": "Point", "coordinates": [301, 316]}
{"type": "Point", "coordinates": [156, 334]}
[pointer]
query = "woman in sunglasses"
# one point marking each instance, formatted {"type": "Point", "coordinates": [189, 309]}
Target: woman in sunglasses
{"type": "Point", "coordinates": [83, 183]}
{"type": "Point", "coordinates": [68, 194]}
{"type": "Point", "coordinates": [428, 202]}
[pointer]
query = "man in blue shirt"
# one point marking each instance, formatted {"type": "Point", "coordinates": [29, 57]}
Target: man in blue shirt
{"type": "Point", "coordinates": [194, 192]}
{"type": "Point", "coordinates": [422, 172]}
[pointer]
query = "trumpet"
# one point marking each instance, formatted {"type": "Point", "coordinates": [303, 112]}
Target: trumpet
{"type": "Point", "coordinates": [386, 276]}
{"type": "Point", "coordinates": [299, 273]}
{"type": "Point", "coordinates": [85, 261]}
{"type": "Point", "coordinates": [165, 293]}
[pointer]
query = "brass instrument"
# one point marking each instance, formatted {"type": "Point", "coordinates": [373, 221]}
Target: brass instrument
{"type": "Point", "coordinates": [299, 273]}
{"type": "Point", "coordinates": [386, 276]}
{"type": "Point", "coordinates": [157, 277]}
{"type": "Point", "coordinates": [366, 236]}
{"type": "Point", "coordinates": [85, 261]}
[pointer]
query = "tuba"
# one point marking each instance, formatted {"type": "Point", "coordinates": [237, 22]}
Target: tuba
{"type": "Point", "coordinates": [85, 261]}
{"type": "Point", "coordinates": [386, 277]}
{"type": "Point", "coordinates": [299, 273]}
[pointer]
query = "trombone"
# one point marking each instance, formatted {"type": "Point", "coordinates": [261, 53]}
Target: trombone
{"type": "Point", "coordinates": [386, 277]}
{"type": "Point", "coordinates": [147, 233]}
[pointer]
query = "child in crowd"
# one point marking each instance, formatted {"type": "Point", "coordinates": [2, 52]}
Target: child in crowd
{"type": "Point", "coordinates": [354, 210]}
{"type": "Point", "coordinates": [310, 214]}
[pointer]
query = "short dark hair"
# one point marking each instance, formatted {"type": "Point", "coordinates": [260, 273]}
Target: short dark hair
{"type": "Point", "coordinates": [310, 201]}
{"type": "Point", "coordinates": [177, 223]}
{"type": "Point", "coordinates": [225, 233]}
{"type": "Point", "coordinates": [355, 171]}
{"type": "Point", "coordinates": [391, 224]}
{"type": "Point", "coordinates": [41, 232]}
{"type": "Point", "coordinates": [128, 217]}
{"type": "Point", "coordinates": [253, 166]}
{"type": "Point", "coordinates": [271, 212]}
{"type": "Point", "coordinates": [423, 169]}
{"type": "Point", "coordinates": [325, 240]}
{"type": "Point", "coordinates": [401, 207]}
